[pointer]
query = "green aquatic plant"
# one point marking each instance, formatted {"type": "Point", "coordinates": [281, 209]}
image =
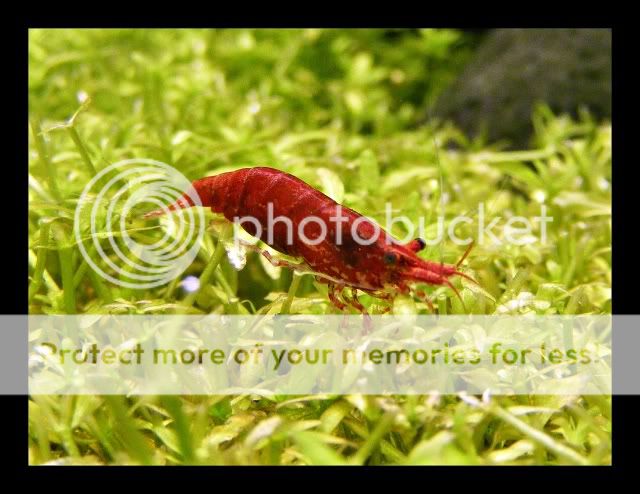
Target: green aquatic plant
{"type": "Point", "coordinates": [340, 109]}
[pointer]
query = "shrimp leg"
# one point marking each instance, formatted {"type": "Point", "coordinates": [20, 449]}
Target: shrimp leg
{"type": "Point", "coordinates": [278, 263]}
{"type": "Point", "coordinates": [355, 303]}
{"type": "Point", "coordinates": [333, 293]}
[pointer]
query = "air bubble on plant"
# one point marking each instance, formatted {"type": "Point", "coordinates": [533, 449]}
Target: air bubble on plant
{"type": "Point", "coordinates": [237, 254]}
{"type": "Point", "coordinates": [190, 284]}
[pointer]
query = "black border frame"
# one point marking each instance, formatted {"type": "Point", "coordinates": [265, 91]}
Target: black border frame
{"type": "Point", "coordinates": [14, 408]}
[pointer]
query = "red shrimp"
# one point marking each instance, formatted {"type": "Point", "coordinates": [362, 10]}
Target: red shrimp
{"type": "Point", "coordinates": [383, 268]}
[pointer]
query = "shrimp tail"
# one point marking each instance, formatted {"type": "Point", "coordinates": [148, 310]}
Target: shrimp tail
{"type": "Point", "coordinates": [200, 189]}
{"type": "Point", "coordinates": [182, 203]}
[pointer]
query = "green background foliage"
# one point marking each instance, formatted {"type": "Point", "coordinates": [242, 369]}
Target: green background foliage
{"type": "Point", "coordinates": [343, 110]}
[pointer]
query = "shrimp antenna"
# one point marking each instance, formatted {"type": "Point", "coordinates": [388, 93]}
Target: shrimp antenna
{"type": "Point", "coordinates": [455, 290]}
{"type": "Point", "coordinates": [466, 277]}
{"type": "Point", "coordinates": [441, 204]}
{"type": "Point", "coordinates": [466, 253]}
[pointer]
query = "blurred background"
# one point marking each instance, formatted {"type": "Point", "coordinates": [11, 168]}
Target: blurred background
{"type": "Point", "coordinates": [512, 70]}
{"type": "Point", "coordinates": [486, 81]}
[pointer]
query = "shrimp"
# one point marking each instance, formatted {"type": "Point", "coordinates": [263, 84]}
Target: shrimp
{"type": "Point", "coordinates": [352, 252]}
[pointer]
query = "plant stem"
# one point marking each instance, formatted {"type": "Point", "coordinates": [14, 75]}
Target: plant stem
{"type": "Point", "coordinates": [38, 271]}
{"type": "Point", "coordinates": [540, 437]}
{"type": "Point", "coordinates": [206, 275]}
{"type": "Point", "coordinates": [181, 425]}
{"type": "Point", "coordinates": [101, 288]}
{"type": "Point", "coordinates": [171, 287]}
{"type": "Point", "coordinates": [233, 304]}
{"type": "Point", "coordinates": [382, 427]}
{"type": "Point", "coordinates": [293, 288]}
{"type": "Point", "coordinates": [135, 443]}
{"type": "Point", "coordinates": [66, 271]}
{"type": "Point", "coordinates": [43, 154]}
{"type": "Point", "coordinates": [442, 304]}
{"type": "Point", "coordinates": [82, 149]}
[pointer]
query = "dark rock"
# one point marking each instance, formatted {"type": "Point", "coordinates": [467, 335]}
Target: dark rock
{"type": "Point", "coordinates": [514, 69]}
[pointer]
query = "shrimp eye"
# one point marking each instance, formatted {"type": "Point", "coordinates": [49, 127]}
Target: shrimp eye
{"type": "Point", "coordinates": [390, 258]}
{"type": "Point", "coordinates": [416, 245]}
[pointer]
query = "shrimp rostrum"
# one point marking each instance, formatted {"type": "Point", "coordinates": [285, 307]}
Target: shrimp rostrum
{"type": "Point", "coordinates": [343, 248]}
